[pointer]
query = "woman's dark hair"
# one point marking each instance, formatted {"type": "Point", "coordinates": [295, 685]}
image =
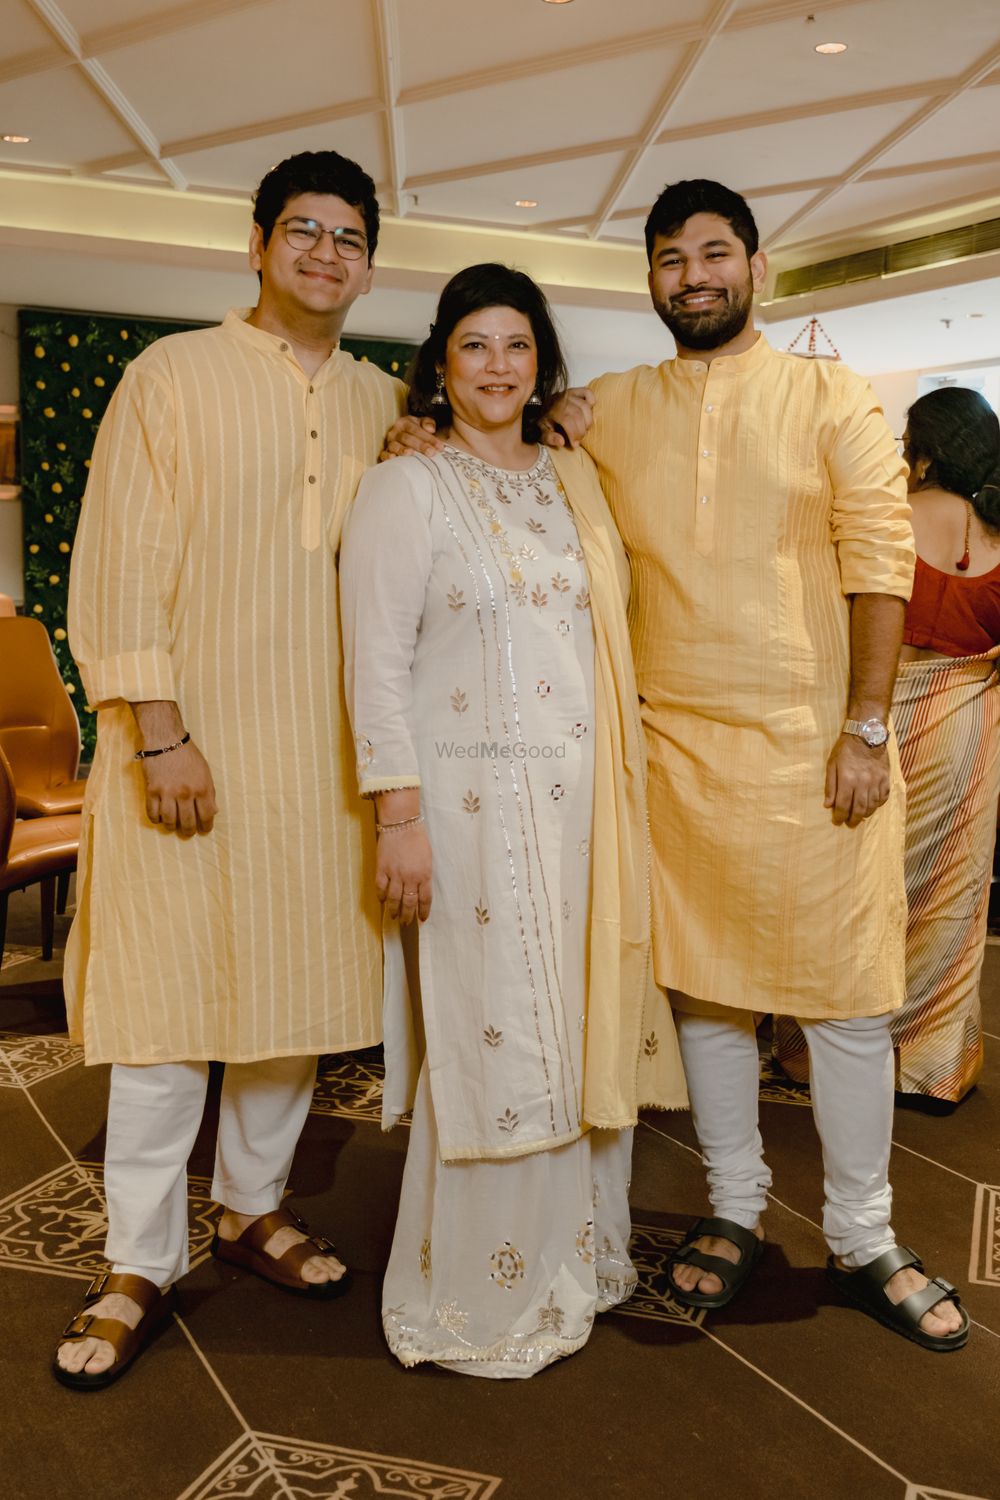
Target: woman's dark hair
{"type": "Point", "coordinates": [680, 201]}
{"type": "Point", "coordinates": [317, 172]}
{"type": "Point", "coordinates": [957, 432]}
{"type": "Point", "coordinates": [488, 285]}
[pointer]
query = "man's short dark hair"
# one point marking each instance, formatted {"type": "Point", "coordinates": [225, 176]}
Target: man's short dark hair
{"type": "Point", "coordinates": [317, 172]}
{"type": "Point", "coordinates": [680, 201]}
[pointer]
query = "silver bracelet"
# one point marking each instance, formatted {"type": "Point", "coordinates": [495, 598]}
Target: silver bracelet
{"type": "Point", "coordinates": [394, 827]}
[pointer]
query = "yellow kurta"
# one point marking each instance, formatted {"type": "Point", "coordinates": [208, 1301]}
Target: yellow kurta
{"type": "Point", "coordinates": [204, 571]}
{"type": "Point", "coordinates": [753, 496]}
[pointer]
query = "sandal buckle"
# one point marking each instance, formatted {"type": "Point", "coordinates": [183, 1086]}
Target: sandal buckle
{"type": "Point", "coordinates": [78, 1325]}
{"type": "Point", "coordinates": [97, 1286]}
{"type": "Point", "coordinates": [322, 1243]}
{"type": "Point", "coordinates": [299, 1222]}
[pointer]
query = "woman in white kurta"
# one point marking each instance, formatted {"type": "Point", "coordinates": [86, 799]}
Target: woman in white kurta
{"type": "Point", "coordinates": [477, 662]}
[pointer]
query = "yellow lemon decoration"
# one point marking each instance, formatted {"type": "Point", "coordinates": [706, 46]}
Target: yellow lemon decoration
{"type": "Point", "coordinates": [59, 634]}
{"type": "Point", "coordinates": [48, 412]}
{"type": "Point", "coordinates": [46, 465]}
{"type": "Point", "coordinates": [111, 359]}
{"type": "Point", "coordinates": [61, 447]}
{"type": "Point", "coordinates": [86, 463]}
{"type": "Point", "coordinates": [53, 577]}
{"type": "Point", "coordinates": [124, 333]}
{"type": "Point", "coordinates": [64, 366]}
{"type": "Point", "coordinates": [99, 380]}
{"type": "Point", "coordinates": [37, 610]}
{"type": "Point", "coordinates": [57, 488]}
{"type": "Point", "coordinates": [86, 412]}
{"type": "Point", "coordinates": [71, 687]}
{"type": "Point", "coordinates": [49, 518]}
{"type": "Point", "coordinates": [39, 352]}
{"type": "Point", "coordinates": [39, 385]}
{"type": "Point", "coordinates": [64, 546]}
{"type": "Point", "coordinates": [75, 391]}
{"type": "Point", "coordinates": [33, 548]}
{"type": "Point", "coordinates": [73, 340]}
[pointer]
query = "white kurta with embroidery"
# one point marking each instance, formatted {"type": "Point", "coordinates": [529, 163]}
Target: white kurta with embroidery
{"type": "Point", "coordinates": [469, 658]}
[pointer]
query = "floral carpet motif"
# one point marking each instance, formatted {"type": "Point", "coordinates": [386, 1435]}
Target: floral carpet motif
{"type": "Point", "coordinates": [261, 1467]}
{"type": "Point", "coordinates": [984, 1266]}
{"type": "Point", "coordinates": [58, 1223]}
{"type": "Point", "coordinates": [777, 1088]}
{"type": "Point", "coordinates": [30, 1058]}
{"type": "Point", "coordinates": [650, 1248]}
{"type": "Point", "coordinates": [350, 1084]}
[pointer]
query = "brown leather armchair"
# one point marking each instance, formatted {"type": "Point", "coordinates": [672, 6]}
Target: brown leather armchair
{"type": "Point", "coordinates": [33, 852]}
{"type": "Point", "coordinates": [39, 732]}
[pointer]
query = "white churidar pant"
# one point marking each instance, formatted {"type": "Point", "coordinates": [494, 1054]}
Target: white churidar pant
{"type": "Point", "coordinates": [851, 1080]}
{"type": "Point", "coordinates": [153, 1117]}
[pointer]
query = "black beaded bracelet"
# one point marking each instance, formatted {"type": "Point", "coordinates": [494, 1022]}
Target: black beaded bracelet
{"type": "Point", "coordinates": [163, 750]}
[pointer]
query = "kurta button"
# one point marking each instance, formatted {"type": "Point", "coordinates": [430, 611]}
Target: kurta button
{"type": "Point", "coordinates": [283, 348]}
{"type": "Point", "coordinates": [314, 433]}
{"type": "Point", "coordinates": [709, 408]}
{"type": "Point", "coordinates": [705, 453]}
{"type": "Point", "coordinates": [312, 390]}
{"type": "Point", "coordinates": [704, 499]}
{"type": "Point", "coordinates": [312, 478]}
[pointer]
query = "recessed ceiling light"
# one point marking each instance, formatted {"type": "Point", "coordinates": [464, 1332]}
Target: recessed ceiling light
{"type": "Point", "coordinates": [977, 315]}
{"type": "Point", "coordinates": [526, 202]}
{"type": "Point", "coordinates": [830, 49]}
{"type": "Point", "coordinates": [558, 2]}
{"type": "Point", "coordinates": [16, 140]}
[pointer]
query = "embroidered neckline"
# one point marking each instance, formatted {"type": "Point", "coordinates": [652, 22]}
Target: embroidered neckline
{"type": "Point", "coordinates": [540, 469]}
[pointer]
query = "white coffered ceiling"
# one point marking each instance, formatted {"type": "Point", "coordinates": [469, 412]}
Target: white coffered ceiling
{"type": "Point", "coordinates": [461, 107]}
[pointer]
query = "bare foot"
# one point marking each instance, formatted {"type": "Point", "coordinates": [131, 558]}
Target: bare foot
{"type": "Point", "coordinates": [317, 1269]}
{"type": "Point", "coordinates": [691, 1278]}
{"type": "Point", "coordinates": [942, 1319]}
{"type": "Point", "coordinates": [96, 1355]}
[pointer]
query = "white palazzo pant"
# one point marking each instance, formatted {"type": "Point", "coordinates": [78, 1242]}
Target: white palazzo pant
{"type": "Point", "coordinates": [498, 1267]}
{"type": "Point", "coordinates": [153, 1117]}
{"type": "Point", "coordinates": [851, 1080]}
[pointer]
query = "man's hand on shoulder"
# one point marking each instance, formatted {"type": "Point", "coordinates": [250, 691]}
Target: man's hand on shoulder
{"type": "Point", "coordinates": [857, 780]}
{"type": "Point", "coordinates": [568, 419]}
{"type": "Point", "coordinates": [411, 435]}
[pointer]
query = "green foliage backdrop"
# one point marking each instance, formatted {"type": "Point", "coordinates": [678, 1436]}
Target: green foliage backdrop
{"type": "Point", "coordinates": [70, 364]}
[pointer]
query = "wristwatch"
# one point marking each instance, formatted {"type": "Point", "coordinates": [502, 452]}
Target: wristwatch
{"type": "Point", "coordinates": [872, 731]}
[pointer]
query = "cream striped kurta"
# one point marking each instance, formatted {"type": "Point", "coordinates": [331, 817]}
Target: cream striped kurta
{"type": "Point", "coordinates": [753, 496]}
{"type": "Point", "coordinates": [204, 571]}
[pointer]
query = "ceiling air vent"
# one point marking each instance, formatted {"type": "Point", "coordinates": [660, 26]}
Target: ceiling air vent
{"type": "Point", "coordinates": [908, 255]}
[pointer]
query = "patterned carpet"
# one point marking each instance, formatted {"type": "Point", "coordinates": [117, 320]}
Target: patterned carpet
{"type": "Point", "coordinates": [253, 1395]}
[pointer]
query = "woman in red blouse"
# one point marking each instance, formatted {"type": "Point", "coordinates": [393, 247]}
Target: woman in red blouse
{"type": "Point", "coordinates": [946, 713]}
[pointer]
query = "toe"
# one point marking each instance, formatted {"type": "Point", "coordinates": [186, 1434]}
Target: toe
{"type": "Point", "coordinates": [322, 1268]}
{"type": "Point", "coordinates": [942, 1320]}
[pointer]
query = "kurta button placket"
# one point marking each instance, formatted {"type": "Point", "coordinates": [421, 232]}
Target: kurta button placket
{"type": "Point", "coordinates": [311, 509]}
{"type": "Point", "coordinates": [706, 474]}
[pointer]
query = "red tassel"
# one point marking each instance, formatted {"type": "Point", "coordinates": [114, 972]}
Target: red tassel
{"type": "Point", "coordinates": [963, 564]}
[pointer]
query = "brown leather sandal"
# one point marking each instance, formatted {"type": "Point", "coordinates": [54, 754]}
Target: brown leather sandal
{"type": "Point", "coordinates": [282, 1270]}
{"type": "Point", "coordinates": [127, 1342]}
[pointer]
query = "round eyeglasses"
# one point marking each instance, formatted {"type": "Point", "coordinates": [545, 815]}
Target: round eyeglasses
{"type": "Point", "coordinates": [306, 234]}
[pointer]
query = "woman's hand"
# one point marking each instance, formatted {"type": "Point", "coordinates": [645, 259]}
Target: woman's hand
{"type": "Point", "coordinates": [403, 873]}
{"type": "Point", "coordinates": [569, 419]}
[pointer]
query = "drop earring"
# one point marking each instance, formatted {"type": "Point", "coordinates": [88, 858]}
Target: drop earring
{"type": "Point", "coordinates": [534, 399]}
{"type": "Point", "coordinates": [439, 398]}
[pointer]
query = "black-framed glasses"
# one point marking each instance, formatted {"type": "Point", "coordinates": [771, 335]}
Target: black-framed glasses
{"type": "Point", "coordinates": [306, 234]}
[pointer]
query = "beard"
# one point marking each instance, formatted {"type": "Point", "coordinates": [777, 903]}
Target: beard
{"type": "Point", "coordinates": [712, 327]}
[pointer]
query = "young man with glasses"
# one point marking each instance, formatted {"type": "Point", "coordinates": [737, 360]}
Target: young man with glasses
{"type": "Point", "coordinates": [219, 916]}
